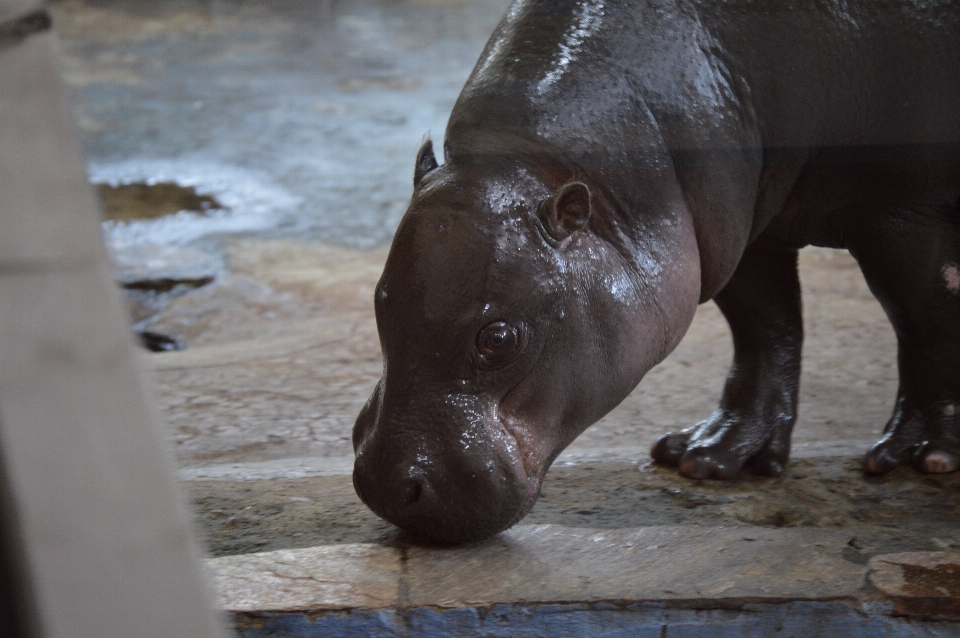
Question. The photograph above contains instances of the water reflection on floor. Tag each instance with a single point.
(303, 117)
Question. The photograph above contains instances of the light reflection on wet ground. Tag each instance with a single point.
(310, 111)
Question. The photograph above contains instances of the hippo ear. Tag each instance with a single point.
(426, 162)
(567, 211)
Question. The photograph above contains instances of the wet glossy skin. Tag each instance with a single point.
(608, 166)
(479, 397)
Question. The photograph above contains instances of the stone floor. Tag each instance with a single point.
(261, 430)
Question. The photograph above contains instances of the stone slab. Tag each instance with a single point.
(555, 564)
(921, 584)
(318, 578)
(554, 580)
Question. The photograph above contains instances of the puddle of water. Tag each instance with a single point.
(942, 579)
(140, 200)
(247, 201)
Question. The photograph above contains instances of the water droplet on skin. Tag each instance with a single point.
(951, 277)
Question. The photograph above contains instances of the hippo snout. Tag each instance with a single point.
(438, 491)
(447, 507)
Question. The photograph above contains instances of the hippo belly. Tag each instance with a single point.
(611, 164)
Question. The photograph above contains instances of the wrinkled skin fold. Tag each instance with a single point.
(610, 165)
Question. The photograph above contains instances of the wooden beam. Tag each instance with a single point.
(96, 541)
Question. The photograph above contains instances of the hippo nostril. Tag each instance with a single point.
(412, 492)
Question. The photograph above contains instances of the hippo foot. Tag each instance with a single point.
(927, 439)
(722, 445)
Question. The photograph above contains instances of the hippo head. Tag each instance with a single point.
(508, 325)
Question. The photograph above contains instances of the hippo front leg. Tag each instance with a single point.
(752, 428)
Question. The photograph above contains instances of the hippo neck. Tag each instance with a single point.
(642, 124)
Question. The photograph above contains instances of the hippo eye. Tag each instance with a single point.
(499, 343)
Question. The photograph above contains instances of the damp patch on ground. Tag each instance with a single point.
(190, 199)
(142, 200)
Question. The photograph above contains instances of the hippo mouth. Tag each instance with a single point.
(531, 456)
(444, 493)
(439, 514)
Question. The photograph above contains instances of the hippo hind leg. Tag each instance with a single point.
(911, 261)
(752, 427)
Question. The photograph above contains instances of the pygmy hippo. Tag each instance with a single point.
(609, 165)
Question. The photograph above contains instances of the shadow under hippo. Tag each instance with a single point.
(608, 166)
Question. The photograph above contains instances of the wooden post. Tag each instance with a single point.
(95, 542)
